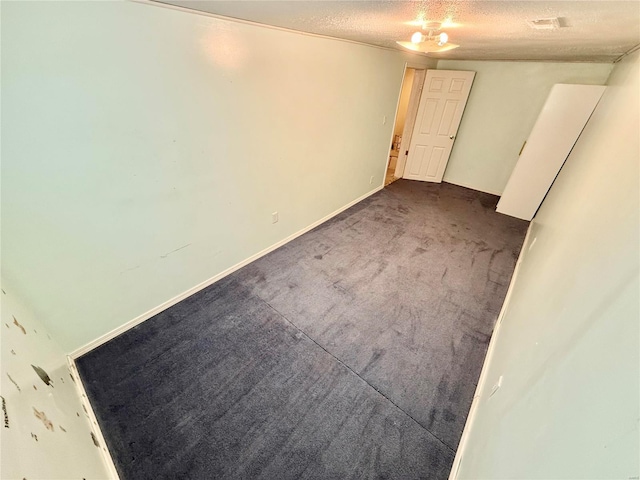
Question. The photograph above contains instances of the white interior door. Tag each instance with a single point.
(560, 123)
(444, 97)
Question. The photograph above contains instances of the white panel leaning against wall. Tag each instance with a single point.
(46, 432)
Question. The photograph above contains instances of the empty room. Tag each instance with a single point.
(320, 239)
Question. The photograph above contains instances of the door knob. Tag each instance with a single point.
(451, 137)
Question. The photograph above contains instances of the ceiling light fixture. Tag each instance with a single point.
(432, 42)
(417, 37)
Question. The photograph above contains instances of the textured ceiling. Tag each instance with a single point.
(485, 30)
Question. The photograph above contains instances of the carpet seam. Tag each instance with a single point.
(357, 375)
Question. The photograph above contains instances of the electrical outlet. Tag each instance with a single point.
(371, 180)
(274, 217)
(384, 119)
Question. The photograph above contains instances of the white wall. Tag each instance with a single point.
(504, 104)
(144, 150)
(56, 444)
(568, 344)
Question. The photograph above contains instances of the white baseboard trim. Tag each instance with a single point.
(471, 187)
(453, 475)
(154, 311)
(95, 427)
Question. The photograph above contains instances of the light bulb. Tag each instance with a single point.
(444, 38)
(416, 37)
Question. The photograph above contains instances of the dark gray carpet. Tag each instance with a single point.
(351, 352)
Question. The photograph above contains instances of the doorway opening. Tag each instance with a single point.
(405, 120)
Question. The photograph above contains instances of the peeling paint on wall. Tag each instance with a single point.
(44, 376)
(95, 440)
(43, 418)
(4, 412)
(17, 324)
(14, 382)
(44, 436)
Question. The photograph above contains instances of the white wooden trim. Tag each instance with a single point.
(154, 311)
(393, 130)
(418, 66)
(628, 52)
(453, 475)
(95, 427)
(410, 119)
(461, 184)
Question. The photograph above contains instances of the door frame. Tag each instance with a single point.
(410, 118)
(411, 109)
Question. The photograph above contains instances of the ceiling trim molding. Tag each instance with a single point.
(628, 52)
(528, 60)
(158, 3)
